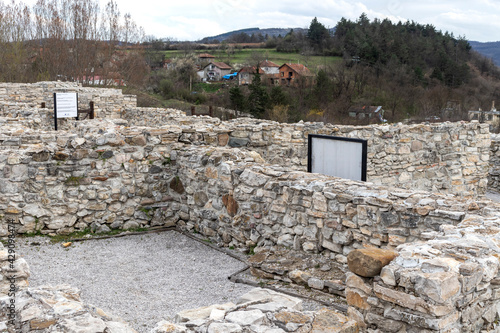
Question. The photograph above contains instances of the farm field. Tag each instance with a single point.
(242, 57)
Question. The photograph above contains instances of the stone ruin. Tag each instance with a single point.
(242, 183)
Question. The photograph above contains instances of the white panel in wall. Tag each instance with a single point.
(336, 156)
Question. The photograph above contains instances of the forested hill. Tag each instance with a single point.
(422, 49)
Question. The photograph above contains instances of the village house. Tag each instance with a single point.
(246, 75)
(269, 67)
(290, 73)
(274, 74)
(214, 71)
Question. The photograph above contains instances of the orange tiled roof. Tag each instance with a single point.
(299, 69)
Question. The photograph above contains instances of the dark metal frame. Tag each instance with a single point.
(364, 148)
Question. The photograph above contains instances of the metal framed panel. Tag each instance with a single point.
(337, 156)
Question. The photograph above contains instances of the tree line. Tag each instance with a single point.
(69, 40)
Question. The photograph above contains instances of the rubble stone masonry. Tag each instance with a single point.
(242, 183)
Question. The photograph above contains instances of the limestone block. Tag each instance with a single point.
(200, 313)
(224, 328)
(316, 283)
(246, 318)
(440, 287)
(266, 295)
(369, 262)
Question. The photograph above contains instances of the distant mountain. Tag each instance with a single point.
(489, 49)
(272, 32)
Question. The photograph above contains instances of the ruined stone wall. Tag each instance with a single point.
(494, 173)
(96, 176)
(445, 279)
(246, 204)
(109, 103)
(446, 157)
(450, 283)
(104, 175)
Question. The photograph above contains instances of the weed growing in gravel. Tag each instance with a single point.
(86, 233)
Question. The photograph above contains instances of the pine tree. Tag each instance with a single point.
(258, 98)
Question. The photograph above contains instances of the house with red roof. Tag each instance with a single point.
(290, 73)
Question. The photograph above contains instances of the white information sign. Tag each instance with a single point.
(337, 156)
(66, 105)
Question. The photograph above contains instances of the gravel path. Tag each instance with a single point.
(141, 278)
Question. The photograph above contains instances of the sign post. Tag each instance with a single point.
(65, 106)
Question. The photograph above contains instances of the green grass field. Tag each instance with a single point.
(242, 57)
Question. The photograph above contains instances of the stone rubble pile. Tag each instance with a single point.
(259, 311)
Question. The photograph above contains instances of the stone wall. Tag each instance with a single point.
(59, 182)
(450, 283)
(239, 203)
(109, 103)
(494, 173)
(445, 158)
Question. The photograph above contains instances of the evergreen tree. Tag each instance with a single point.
(317, 34)
(237, 98)
(258, 98)
(278, 97)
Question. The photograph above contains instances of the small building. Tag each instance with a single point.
(202, 57)
(167, 64)
(269, 67)
(246, 75)
(214, 71)
(372, 114)
(491, 117)
(290, 73)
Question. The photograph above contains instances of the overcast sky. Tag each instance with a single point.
(477, 20)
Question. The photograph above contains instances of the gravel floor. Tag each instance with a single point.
(141, 278)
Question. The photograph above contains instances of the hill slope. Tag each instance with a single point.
(271, 32)
(489, 49)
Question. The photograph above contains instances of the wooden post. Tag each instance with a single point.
(91, 111)
(193, 110)
(211, 111)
